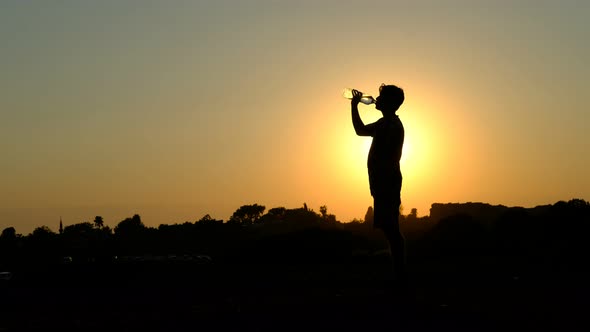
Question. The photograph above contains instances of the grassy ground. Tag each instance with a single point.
(337, 296)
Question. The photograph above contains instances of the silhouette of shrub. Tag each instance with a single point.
(247, 214)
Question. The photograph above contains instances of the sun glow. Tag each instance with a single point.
(337, 163)
(417, 153)
(406, 151)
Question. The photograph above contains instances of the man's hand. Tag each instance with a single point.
(356, 97)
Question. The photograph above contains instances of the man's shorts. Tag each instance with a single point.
(386, 211)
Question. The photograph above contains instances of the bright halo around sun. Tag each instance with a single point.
(406, 151)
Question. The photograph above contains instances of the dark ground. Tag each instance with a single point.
(337, 296)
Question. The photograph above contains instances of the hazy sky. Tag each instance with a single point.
(176, 109)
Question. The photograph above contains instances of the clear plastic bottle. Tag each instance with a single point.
(367, 100)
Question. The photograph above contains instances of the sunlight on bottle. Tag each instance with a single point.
(365, 99)
(347, 93)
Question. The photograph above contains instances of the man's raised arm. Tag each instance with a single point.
(359, 127)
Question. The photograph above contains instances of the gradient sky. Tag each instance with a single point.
(176, 109)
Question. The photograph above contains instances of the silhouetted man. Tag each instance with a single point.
(385, 177)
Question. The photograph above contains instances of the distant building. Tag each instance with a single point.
(480, 211)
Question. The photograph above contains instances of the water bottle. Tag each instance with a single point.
(367, 100)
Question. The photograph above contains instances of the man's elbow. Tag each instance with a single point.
(361, 132)
(358, 129)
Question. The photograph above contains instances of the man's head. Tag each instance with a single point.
(390, 98)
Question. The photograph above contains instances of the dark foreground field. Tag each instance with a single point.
(339, 296)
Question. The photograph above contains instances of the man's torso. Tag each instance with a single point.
(384, 156)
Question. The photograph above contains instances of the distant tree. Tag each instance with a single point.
(324, 212)
(274, 215)
(369, 215)
(130, 226)
(277, 211)
(325, 216)
(79, 236)
(302, 217)
(205, 219)
(42, 232)
(83, 229)
(330, 218)
(8, 245)
(42, 241)
(247, 214)
(106, 231)
(413, 216)
(8, 234)
(98, 222)
(85, 241)
(578, 203)
(208, 220)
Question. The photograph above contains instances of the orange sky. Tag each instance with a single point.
(181, 109)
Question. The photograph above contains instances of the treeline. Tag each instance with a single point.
(550, 237)
(95, 242)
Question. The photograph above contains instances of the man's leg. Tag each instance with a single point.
(398, 251)
(386, 217)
